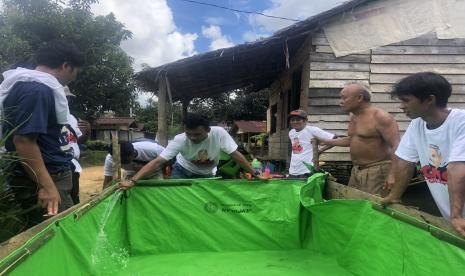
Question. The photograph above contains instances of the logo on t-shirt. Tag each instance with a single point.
(202, 158)
(296, 146)
(436, 170)
(71, 137)
(64, 142)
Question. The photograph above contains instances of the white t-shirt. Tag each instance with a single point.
(435, 148)
(203, 157)
(73, 142)
(302, 147)
(146, 152)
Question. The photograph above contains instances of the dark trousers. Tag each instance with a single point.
(179, 172)
(75, 188)
(26, 191)
(300, 176)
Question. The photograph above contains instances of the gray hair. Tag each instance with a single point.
(365, 90)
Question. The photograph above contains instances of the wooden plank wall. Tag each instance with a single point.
(279, 141)
(427, 53)
(328, 75)
(380, 68)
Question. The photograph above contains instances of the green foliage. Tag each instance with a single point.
(92, 158)
(10, 212)
(226, 107)
(239, 105)
(260, 138)
(148, 115)
(97, 145)
(106, 82)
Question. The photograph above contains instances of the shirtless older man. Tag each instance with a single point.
(373, 137)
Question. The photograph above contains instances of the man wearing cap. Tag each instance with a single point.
(373, 137)
(301, 136)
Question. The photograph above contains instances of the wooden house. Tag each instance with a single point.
(306, 65)
(129, 129)
(245, 131)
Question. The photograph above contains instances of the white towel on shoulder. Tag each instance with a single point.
(11, 77)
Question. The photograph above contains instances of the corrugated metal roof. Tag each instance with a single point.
(121, 121)
(251, 126)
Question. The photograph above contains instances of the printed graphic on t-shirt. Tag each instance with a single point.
(202, 158)
(436, 170)
(296, 146)
(65, 146)
(71, 137)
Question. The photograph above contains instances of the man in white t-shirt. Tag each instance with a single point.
(197, 152)
(436, 138)
(79, 134)
(134, 156)
(301, 136)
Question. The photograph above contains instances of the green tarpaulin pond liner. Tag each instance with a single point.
(218, 227)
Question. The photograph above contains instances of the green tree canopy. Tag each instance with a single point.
(238, 105)
(106, 82)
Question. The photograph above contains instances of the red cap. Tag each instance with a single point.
(298, 113)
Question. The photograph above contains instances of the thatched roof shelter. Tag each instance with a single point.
(252, 66)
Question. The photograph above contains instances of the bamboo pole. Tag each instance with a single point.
(162, 134)
(116, 156)
(185, 105)
(26, 251)
(316, 154)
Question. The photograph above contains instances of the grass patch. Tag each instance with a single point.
(91, 158)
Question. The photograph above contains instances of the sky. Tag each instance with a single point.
(168, 30)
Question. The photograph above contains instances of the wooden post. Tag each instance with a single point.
(116, 165)
(185, 104)
(316, 155)
(305, 81)
(162, 134)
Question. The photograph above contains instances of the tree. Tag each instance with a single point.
(149, 115)
(106, 82)
(238, 105)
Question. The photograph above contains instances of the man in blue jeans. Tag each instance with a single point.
(35, 113)
(197, 152)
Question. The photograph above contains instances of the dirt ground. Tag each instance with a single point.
(90, 182)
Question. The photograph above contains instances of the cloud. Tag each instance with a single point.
(215, 20)
(143, 98)
(294, 9)
(218, 40)
(156, 39)
(250, 36)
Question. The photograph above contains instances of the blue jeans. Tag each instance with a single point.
(179, 172)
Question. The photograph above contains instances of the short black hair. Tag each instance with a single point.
(422, 85)
(125, 150)
(194, 120)
(55, 53)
